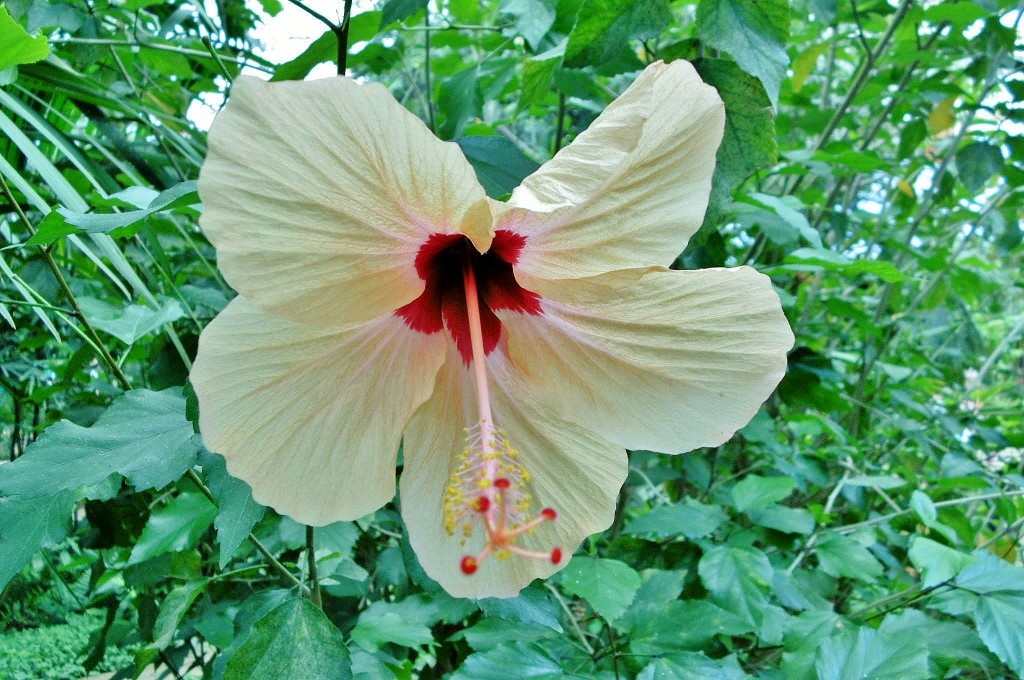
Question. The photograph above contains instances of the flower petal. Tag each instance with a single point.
(630, 190)
(311, 417)
(654, 359)
(571, 470)
(318, 195)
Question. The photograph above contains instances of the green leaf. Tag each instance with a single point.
(840, 555)
(397, 10)
(324, 49)
(533, 605)
(754, 32)
(689, 665)
(781, 518)
(295, 641)
(748, 142)
(385, 623)
(977, 163)
(237, 512)
(605, 27)
(174, 527)
(937, 562)
(1000, 620)
(689, 518)
(855, 654)
(500, 165)
(529, 660)
(659, 631)
(179, 196)
(173, 610)
(608, 585)
(17, 46)
(29, 524)
(999, 611)
(129, 324)
(142, 436)
(812, 259)
(538, 74)
(755, 492)
(532, 18)
(460, 102)
(738, 579)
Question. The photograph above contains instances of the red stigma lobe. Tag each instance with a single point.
(440, 263)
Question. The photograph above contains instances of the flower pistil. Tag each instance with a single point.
(488, 488)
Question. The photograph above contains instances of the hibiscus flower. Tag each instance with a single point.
(513, 349)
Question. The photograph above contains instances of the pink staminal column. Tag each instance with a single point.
(491, 479)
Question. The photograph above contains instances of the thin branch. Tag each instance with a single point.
(426, 71)
(560, 123)
(312, 577)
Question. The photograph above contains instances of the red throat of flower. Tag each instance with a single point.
(489, 488)
(442, 262)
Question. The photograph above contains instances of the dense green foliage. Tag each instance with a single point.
(867, 523)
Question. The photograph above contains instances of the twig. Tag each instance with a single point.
(312, 576)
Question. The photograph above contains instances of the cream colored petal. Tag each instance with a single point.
(573, 471)
(311, 417)
(630, 190)
(318, 194)
(654, 359)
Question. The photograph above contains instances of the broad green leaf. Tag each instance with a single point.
(384, 623)
(516, 659)
(28, 524)
(324, 49)
(810, 259)
(237, 512)
(976, 163)
(689, 518)
(173, 610)
(179, 196)
(605, 27)
(397, 10)
(999, 610)
(142, 436)
(950, 640)
(738, 579)
(754, 32)
(840, 555)
(132, 323)
(690, 665)
(295, 641)
(855, 654)
(460, 103)
(781, 518)
(755, 492)
(532, 18)
(923, 507)
(876, 481)
(1000, 620)
(660, 629)
(174, 527)
(17, 46)
(748, 143)
(608, 585)
(533, 605)
(538, 74)
(500, 165)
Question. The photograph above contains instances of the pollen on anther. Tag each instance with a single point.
(556, 557)
(469, 565)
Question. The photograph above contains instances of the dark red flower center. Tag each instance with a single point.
(441, 262)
